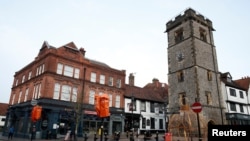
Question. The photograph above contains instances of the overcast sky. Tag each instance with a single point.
(125, 34)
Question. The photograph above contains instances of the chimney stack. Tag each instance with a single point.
(131, 79)
(82, 51)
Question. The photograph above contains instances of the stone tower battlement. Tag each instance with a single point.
(187, 15)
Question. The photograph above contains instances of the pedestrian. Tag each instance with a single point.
(72, 132)
(67, 137)
(11, 132)
(33, 132)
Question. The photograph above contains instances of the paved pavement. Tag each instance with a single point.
(90, 138)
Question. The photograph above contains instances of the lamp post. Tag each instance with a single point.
(132, 134)
(80, 110)
(166, 117)
(165, 113)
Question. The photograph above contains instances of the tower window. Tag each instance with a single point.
(179, 35)
(209, 97)
(182, 99)
(180, 76)
(203, 35)
(209, 75)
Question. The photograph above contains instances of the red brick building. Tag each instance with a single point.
(63, 81)
(3, 111)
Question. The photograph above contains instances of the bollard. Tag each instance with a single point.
(95, 138)
(106, 136)
(156, 137)
(85, 137)
(132, 137)
(127, 134)
(137, 135)
(118, 136)
(145, 138)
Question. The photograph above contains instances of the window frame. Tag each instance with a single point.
(232, 92)
(179, 35)
(209, 97)
(241, 108)
(102, 79)
(118, 83)
(203, 34)
(182, 99)
(56, 94)
(241, 94)
(68, 71)
(143, 106)
(117, 101)
(232, 106)
(209, 75)
(180, 76)
(92, 97)
(93, 77)
(111, 79)
(152, 107)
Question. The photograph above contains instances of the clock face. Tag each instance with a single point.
(180, 56)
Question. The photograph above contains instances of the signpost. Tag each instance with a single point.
(196, 107)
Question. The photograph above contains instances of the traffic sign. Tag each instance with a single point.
(33, 102)
(196, 107)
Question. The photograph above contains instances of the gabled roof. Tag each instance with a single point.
(226, 75)
(98, 63)
(45, 46)
(71, 45)
(156, 84)
(149, 92)
(227, 79)
(244, 82)
(3, 108)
